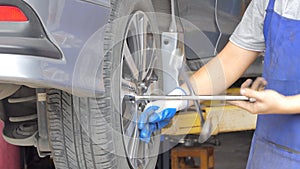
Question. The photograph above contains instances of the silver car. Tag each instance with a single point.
(66, 67)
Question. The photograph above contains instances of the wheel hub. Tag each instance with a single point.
(137, 64)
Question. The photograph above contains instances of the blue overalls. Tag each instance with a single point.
(276, 142)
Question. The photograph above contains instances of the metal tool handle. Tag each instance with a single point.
(202, 97)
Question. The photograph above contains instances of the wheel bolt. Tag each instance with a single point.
(143, 87)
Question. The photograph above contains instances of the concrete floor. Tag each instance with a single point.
(233, 151)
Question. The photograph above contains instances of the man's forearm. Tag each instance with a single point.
(292, 104)
(222, 71)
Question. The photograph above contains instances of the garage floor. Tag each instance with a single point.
(234, 149)
(231, 154)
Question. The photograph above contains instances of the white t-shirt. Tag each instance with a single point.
(249, 33)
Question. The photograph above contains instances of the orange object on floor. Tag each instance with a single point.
(180, 154)
(9, 154)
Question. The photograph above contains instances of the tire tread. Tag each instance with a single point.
(72, 146)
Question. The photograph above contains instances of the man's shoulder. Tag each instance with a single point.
(288, 8)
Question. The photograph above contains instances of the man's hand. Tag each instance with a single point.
(267, 101)
(158, 114)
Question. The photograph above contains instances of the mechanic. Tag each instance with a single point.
(272, 27)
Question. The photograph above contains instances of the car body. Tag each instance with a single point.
(63, 26)
(70, 31)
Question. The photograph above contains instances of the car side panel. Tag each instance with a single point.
(77, 28)
(213, 22)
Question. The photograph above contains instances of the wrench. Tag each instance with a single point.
(183, 97)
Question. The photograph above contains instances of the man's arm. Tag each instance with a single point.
(222, 71)
(213, 78)
(292, 104)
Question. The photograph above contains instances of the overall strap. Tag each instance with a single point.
(271, 5)
(268, 17)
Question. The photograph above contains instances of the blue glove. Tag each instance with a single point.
(150, 121)
(158, 114)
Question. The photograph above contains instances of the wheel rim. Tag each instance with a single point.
(137, 63)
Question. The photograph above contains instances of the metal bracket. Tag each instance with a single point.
(172, 58)
(172, 50)
(43, 145)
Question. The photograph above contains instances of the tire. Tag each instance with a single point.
(94, 133)
(72, 146)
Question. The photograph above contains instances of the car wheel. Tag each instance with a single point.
(102, 132)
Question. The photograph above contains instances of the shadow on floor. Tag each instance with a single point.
(33, 161)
